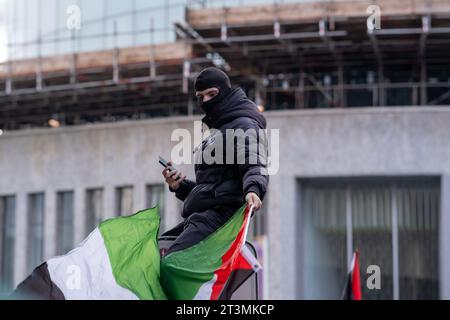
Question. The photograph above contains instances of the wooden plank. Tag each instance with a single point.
(310, 11)
(96, 59)
(167, 51)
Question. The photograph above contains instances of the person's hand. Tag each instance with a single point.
(252, 199)
(173, 178)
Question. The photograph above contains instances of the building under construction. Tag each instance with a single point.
(369, 171)
(287, 56)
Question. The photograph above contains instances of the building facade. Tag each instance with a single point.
(362, 111)
(373, 179)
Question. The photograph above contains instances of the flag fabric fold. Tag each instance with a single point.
(120, 259)
(205, 270)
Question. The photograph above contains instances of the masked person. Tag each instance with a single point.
(221, 187)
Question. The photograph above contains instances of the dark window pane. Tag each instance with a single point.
(418, 241)
(94, 209)
(372, 210)
(7, 242)
(155, 196)
(65, 235)
(372, 234)
(35, 230)
(324, 229)
(124, 201)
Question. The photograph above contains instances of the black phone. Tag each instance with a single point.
(165, 164)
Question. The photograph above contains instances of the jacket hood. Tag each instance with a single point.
(234, 105)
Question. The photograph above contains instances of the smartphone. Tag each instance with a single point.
(165, 164)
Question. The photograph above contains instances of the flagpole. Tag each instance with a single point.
(247, 223)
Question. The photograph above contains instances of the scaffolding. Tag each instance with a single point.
(285, 55)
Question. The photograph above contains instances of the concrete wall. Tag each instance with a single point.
(313, 143)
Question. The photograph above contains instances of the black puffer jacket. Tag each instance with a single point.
(221, 184)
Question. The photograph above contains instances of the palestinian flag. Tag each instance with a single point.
(352, 290)
(213, 268)
(120, 260)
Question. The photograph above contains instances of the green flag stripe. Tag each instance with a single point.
(184, 272)
(132, 246)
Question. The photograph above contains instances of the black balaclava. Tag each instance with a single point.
(213, 78)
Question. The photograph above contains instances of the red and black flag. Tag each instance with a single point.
(352, 290)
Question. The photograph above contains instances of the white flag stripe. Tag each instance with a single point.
(205, 291)
(86, 273)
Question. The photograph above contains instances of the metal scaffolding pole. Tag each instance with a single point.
(426, 26)
(152, 64)
(9, 81)
(134, 21)
(380, 97)
(73, 60)
(323, 32)
(301, 89)
(115, 63)
(104, 20)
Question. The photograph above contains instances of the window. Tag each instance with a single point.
(7, 229)
(35, 230)
(418, 223)
(65, 234)
(124, 201)
(155, 196)
(94, 209)
(392, 222)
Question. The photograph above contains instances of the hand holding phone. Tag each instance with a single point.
(166, 164)
(172, 176)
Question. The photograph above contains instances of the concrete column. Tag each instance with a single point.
(283, 241)
(444, 242)
(50, 223)
(109, 204)
(79, 222)
(139, 196)
(173, 209)
(20, 250)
